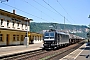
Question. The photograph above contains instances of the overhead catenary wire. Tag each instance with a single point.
(64, 9)
(38, 9)
(53, 8)
(43, 6)
(23, 11)
(62, 6)
(56, 10)
(48, 9)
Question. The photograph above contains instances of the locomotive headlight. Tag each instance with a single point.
(52, 44)
(44, 42)
(53, 41)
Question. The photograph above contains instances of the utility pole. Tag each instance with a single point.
(26, 40)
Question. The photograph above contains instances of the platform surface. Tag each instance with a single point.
(82, 53)
(9, 50)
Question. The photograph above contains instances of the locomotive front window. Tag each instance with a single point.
(46, 34)
(51, 34)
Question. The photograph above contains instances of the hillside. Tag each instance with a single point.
(75, 29)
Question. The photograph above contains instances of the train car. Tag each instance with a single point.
(53, 39)
(75, 39)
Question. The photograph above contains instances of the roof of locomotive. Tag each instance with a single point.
(63, 33)
(59, 32)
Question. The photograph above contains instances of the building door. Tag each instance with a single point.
(7, 39)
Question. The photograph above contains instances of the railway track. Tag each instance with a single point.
(43, 54)
(64, 53)
(24, 55)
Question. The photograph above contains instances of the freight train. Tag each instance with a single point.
(53, 39)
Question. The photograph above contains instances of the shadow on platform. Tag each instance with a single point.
(83, 55)
(86, 56)
(13, 45)
(87, 46)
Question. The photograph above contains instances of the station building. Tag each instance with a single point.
(36, 37)
(13, 29)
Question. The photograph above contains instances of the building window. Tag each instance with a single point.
(13, 19)
(22, 25)
(14, 37)
(13, 24)
(18, 24)
(1, 21)
(26, 27)
(1, 37)
(22, 38)
(7, 23)
(40, 38)
(35, 37)
(17, 37)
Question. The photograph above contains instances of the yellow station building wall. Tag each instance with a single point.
(10, 37)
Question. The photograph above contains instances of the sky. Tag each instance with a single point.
(75, 12)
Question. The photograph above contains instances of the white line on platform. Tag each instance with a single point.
(64, 58)
(79, 53)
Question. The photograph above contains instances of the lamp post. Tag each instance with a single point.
(26, 41)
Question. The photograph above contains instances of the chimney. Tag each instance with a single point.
(13, 11)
